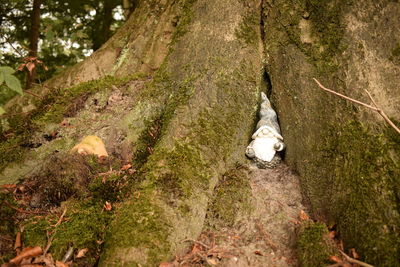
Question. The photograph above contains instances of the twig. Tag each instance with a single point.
(14, 114)
(33, 94)
(60, 219)
(383, 114)
(197, 242)
(50, 239)
(375, 107)
(23, 211)
(351, 260)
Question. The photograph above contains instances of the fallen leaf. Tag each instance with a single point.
(336, 259)
(107, 206)
(27, 253)
(18, 243)
(8, 186)
(47, 260)
(353, 253)
(332, 234)
(304, 216)
(131, 171)
(61, 264)
(259, 253)
(81, 253)
(212, 261)
(166, 264)
(126, 167)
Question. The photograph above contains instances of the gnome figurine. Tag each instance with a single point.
(267, 139)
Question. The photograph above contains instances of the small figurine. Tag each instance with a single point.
(267, 139)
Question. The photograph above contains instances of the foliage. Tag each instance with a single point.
(7, 79)
(69, 31)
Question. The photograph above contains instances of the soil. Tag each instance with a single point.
(267, 237)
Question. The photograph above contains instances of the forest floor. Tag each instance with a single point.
(266, 237)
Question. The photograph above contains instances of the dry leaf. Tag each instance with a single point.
(107, 206)
(304, 216)
(166, 264)
(81, 253)
(212, 261)
(126, 167)
(18, 243)
(353, 253)
(27, 253)
(47, 260)
(259, 253)
(332, 234)
(30, 66)
(61, 264)
(8, 186)
(335, 259)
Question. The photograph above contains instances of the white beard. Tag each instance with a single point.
(263, 146)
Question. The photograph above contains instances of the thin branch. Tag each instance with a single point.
(345, 97)
(375, 107)
(351, 260)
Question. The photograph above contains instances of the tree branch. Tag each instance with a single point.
(375, 107)
(351, 260)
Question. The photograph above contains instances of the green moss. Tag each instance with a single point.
(396, 51)
(84, 226)
(7, 227)
(183, 20)
(247, 30)
(231, 197)
(326, 30)
(177, 171)
(142, 226)
(314, 248)
(52, 109)
(365, 201)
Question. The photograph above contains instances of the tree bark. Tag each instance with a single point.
(33, 40)
(205, 63)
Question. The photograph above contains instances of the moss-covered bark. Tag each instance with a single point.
(210, 77)
(184, 122)
(346, 155)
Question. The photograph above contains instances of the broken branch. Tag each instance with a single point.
(375, 107)
(351, 260)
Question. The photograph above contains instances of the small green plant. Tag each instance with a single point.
(7, 79)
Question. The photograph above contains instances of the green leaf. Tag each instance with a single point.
(13, 83)
(2, 111)
(1, 78)
(7, 70)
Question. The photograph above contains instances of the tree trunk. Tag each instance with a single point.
(33, 40)
(190, 119)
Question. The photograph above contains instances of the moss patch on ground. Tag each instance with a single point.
(84, 226)
(143, 225)
(314, 246)
(7, 227)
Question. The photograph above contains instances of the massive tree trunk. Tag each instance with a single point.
(203, 64)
